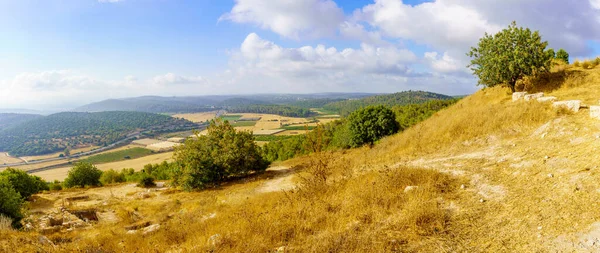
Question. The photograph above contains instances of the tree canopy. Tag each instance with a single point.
(83, 174)
(509, 55)
(23, 183)
(562, 55)
(370, 124)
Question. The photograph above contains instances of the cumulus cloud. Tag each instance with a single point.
(289, 18)
(444, 63)
(171, 79)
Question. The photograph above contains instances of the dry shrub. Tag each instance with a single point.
(577, 63)
(5, 223)
(586, 64)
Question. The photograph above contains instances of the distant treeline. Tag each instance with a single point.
(335, 135)
(8, 120)
(283, 110)
(56, 132)
(346, 107)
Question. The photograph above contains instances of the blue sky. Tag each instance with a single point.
(63, 53)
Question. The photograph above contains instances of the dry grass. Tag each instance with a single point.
(6, 158)
(197, 117)
(55, 155)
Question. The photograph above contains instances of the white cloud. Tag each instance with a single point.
(289, 18)
(110, 1)
(444, 63)
(171, 79)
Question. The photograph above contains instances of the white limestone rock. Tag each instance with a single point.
(547, 99)
(572, 105)
(595, 111)
(518, 95)
(532, 97)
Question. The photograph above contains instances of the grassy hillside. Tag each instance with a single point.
(55, 132)
(401, 98)
(484, 175)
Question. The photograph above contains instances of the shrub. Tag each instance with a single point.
(585, 64)
(55, 186)
(370, 124)
(112, 177)
(212, 158)
(576, 63)
(23, 183)
(10, 206)
(146, 181)
(5, 223)
(83, 174)
(562, 55)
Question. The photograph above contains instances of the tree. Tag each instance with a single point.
(10, 206)
(370, 124)
(212, 158)
(111, 177)
(562, 55)
(67, 152)
(83, 174)
(507, 56)
(23, 183)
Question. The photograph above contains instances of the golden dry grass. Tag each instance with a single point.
(6, 158)
(197, 117)
(55, 155)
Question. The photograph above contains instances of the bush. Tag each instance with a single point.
(23, 183)
(585, 64)
(83, 174)
(10, 206)
(212, 158)
(146, 181)
(576, 63)
(562, 55)
(55, 186)
(370, 124)
(112, 177)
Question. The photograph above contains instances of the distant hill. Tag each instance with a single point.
(8, 120)
(401, 98)
(53, 133)
(156, 104)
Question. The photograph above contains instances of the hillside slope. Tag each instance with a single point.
(8, 120)
(484, 175)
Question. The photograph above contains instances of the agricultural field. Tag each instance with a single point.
(6, 158)
(136, 164)
(55, 155)
(120, 155)
(197, 117)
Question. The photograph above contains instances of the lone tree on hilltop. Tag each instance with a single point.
(562, 55)
(509, 55)
(370, 124)
(83, 174)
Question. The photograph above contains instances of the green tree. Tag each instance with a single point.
(111, 177)
(212, 158)
(370, 124)
(10, 204)
(507, 56)
(67, 152)
(562, 55)
(23, 183)
(83, 174)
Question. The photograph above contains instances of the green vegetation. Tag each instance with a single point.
(111, 177)
(10, 206)
(8, 120)
(271, 137)
(146, 181)
(120, 155)
(59, 131)
(83, 174)
(23, 183)
(315, 103)
(510, 55)
(346, 107)
(231, 117)
(215, 157)
(243, 123)
(410, 115)
(370, 124)
(562, 55)
(298, 127)
(282, 110)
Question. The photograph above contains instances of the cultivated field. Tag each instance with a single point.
(197, 117)
(136, 164)
(55, 155)
(5, 158)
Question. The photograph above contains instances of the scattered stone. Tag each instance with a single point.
(533, 96)
(215, 240)
(546, 157)
(138, 225)
(54, 222)
(547, 99)
(50, 230)
(482, 200)
(518, 95)
(410, 188)
(595, 111)
(550, 175)
(572, 105)
(462, 186)
(45, 241)
(142, 195)
(544, 135)
(131, 232)
(150, 229)
(280, 249)
(540, 228)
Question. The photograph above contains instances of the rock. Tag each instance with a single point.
(142, 195)
(546, 157)
(535, 96)
(138, 225)
(595, 111)
(150, 229)
(50, 230)
(550, 175)
(546, 99)
(215, 240)
(481, 200)
(518, 95)
(131, 232)
(45, 241)
(410, 188)
(572, 105)
(54, 221)
(462, 186)
(280, 249)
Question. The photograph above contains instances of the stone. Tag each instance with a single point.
(131, 232)
(462, 186)
(45, 241)
(280, 249)
(54, 221)
(150, 229)
(481, 200)
(595, 111)
(518, 95)
(572, 105)
(410, 188)
(215, 240)
(547, 99)
(535, 96)
(550, 175)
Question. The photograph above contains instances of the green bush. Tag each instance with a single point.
(111, 177)
(562, 55)
(370, 124)
(23, 183)
(146, 181)
(83, 174)
(55, 186)
(10, 204)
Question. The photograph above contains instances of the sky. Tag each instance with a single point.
(60, 54)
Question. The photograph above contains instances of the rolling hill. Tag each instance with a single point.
(8, 120)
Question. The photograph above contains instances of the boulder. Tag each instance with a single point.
(215, 240)
(547, 99)
(518, 95)
(535, 96)
(150, 229)
(595, 111)
(572, 105)
(410, 188)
